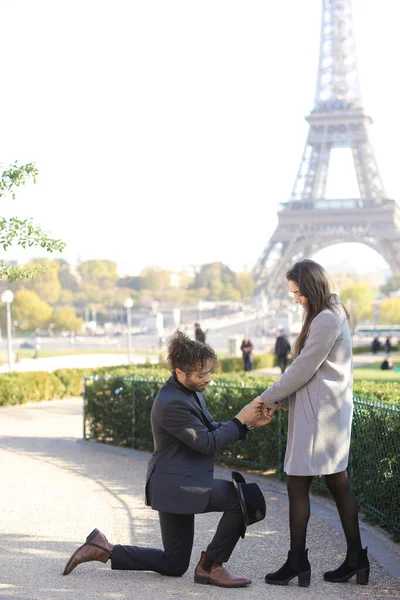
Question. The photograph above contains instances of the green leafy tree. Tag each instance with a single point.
(47, 286)
(99, 273)
(389, 311)
(65, 319)
(358, 300)
(215, 277)
(22, 231)
(245, 285)
(66, 298)
(230, 293)
(30, 311)
(68, 279)
(155, 279)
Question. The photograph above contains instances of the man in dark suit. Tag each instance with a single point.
(180, 480)
(282, 349)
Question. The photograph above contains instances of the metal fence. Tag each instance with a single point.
(117, 411)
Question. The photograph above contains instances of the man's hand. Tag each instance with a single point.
(251, 412)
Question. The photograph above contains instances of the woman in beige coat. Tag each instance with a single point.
(317, 391)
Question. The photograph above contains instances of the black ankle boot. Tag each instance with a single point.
(297, 565)
(356, 563)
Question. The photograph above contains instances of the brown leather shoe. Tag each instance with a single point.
(96, 547)
(217, 575)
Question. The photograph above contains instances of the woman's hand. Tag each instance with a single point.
(263, 419)
(270, 411)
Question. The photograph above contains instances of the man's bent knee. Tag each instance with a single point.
(177, 568)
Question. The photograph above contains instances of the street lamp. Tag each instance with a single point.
(7, 297)
(128, 303)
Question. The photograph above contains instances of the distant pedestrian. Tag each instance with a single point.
(199, 334)
(247, 353)
(376, 345)
(386, 364)
(282, 349)
(388, 345)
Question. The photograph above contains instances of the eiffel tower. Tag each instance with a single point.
(309, 221)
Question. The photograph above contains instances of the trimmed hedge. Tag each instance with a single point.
(35, 386)
(375, 459)
(19, 388)
(386, 391)
(117, 410)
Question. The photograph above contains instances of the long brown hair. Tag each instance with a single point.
(313, 283)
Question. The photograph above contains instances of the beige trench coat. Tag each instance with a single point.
(318, 391)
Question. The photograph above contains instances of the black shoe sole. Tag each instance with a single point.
(303, 579)
(362, 577)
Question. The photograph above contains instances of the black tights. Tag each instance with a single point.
(299, 508)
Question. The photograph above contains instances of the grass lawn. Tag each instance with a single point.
(374, 372)
(69, 352)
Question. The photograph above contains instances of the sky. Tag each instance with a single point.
(166, 132)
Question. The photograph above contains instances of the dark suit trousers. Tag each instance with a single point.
(177, 533)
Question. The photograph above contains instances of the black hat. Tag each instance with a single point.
(251, 499)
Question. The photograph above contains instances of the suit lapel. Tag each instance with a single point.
(202, 402)
(203, 410)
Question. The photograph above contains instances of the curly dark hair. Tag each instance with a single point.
(187, 354)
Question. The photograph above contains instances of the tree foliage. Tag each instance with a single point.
(15, 176)
(22, 232)
(219, 279)
(47, 286)
(30, 311)
(65, 319)
(99, 273)
(68, 280)
(155, 279)
(245, 285)
(390, 311)
(358, 300)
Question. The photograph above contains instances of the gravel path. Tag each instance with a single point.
(55, 489)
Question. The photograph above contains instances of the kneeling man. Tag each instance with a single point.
(180, 480)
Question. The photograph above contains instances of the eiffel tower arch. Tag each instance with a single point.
(310, 222)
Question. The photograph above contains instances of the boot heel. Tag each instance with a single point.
(362, 576)
(304, 579)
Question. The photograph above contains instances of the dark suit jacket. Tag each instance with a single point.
(186, 437)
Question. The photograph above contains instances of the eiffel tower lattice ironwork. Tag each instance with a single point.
(309, 222)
